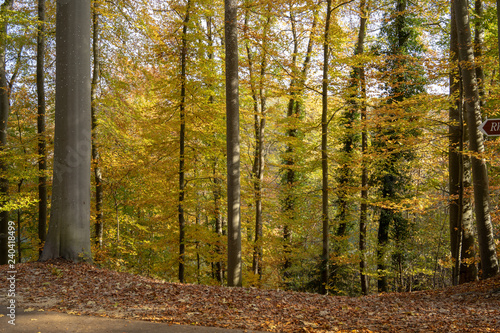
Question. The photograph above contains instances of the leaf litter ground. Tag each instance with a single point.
(63, 286)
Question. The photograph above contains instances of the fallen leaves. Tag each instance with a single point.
(84, 289)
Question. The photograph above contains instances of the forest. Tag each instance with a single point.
(327, 146)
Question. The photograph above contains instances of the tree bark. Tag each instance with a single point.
(182, 138)
(363, 218)
(95, 148)
(467, 264)
(42, 159)
(454, 156)
(460, 210)
(69, 228)
(325, 255)
(234, 262)
(4, 117)
(489, 261)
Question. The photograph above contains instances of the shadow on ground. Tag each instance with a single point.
(57, 322)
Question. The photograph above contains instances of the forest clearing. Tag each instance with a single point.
(80, 289)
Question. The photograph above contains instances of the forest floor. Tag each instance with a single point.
(84, 289)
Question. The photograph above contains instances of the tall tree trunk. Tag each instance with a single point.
(4, 117)
(259, 107)
(182, 137)
(69, 228)
(460, 210)
(325, 255)
(234, 262)
(95, 148)
(454, 156)
(216, 181)
(363, 217)
(489, 261)
(42, 159)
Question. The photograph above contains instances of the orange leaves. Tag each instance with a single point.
(473, 307)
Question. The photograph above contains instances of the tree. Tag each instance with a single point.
(4, 117)
(325, 255)
(234, 261)
(487, 247)
(460, 211)
(259, 98)
(95, 149)
(42, 144)
(401, 83)
(182, 136)
(294, 113)
(363, 10)
(69, 228)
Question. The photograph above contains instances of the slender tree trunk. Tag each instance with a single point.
(4, 116)
(363, 218)
(259, 107)
(95, 148)
(454, 156)
(218, 266)
(234, 262)
(489, 261)
(182, 137)
(325, 255)
(69, 228)
(42, 159)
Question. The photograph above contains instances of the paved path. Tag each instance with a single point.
(56, 322)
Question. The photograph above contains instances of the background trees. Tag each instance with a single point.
(158, 86)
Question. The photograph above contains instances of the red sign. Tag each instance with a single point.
(491, 127)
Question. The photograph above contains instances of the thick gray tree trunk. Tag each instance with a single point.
(234, 264)
(489, 261)
(69, 228)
